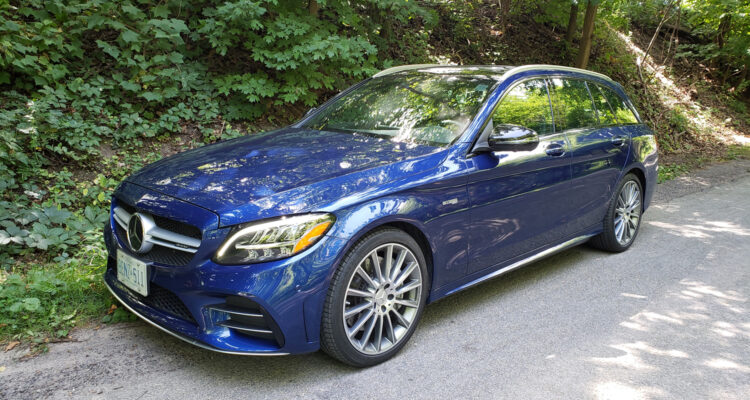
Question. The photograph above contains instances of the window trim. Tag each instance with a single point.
(483, 127)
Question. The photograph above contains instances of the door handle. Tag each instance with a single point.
(618, 140)
(555, 149)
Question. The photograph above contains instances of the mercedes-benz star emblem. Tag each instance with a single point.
(138, 228)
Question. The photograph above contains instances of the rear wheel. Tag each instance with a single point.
(623, 217)
(376, 299)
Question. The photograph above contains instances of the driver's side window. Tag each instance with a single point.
(527, 104)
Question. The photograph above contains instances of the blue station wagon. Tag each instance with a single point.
(419, 182)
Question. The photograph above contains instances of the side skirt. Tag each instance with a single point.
(518, 264)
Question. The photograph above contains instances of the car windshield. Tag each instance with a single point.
(412, 107)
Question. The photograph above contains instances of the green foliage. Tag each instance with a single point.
(47, 302)
(87, 71)
(671, 171)
(82, 74)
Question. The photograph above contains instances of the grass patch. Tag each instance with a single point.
(43, 302)
(737, 152)
(670, 171)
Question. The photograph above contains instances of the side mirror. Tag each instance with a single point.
(512, 137)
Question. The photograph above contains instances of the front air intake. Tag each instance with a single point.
(244, 316)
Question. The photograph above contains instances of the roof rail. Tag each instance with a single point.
(536, 67)
(507, 74)
(408, 67)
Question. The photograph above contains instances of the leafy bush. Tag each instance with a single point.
(85, 71)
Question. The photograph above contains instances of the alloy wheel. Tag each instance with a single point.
(627, 213)
(382, 298)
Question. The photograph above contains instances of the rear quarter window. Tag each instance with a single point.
(623, 113)
(603, 110)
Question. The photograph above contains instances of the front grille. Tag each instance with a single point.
(245, 317)
(177, 227)
(168, 302)
(163, 254)
(158, 254)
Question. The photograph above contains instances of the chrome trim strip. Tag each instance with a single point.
(229, 324)
(230, 310)
(187, 339)
(174, 237)
(121, 217)
(171, 246)
(525, 261)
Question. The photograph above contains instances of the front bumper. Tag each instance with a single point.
(118, 292)
(289, 293)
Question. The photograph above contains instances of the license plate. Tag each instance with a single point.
(132, 273)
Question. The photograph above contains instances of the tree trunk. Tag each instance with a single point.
(572, 22)
(665, 17)
(724, 26)
(675, 36)
(313, 7)
(588, 29)
(504, 12)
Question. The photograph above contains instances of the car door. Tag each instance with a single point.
(517, 196)
(598, 148)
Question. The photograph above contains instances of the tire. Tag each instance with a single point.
(611, 239)
(360, 341)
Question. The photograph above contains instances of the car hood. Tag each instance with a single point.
(281, 172)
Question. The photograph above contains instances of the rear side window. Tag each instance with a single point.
(572, 105)
(527, 105)
(603, 110)
(623, 113)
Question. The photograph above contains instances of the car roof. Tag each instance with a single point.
(498, 72)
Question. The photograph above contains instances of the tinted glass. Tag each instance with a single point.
(572, 105)
(526, 105)
(623, 113)
(603, 110)
(418, 107)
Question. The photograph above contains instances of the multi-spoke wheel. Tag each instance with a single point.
(627, 212)
(623, 217)
(376, 298)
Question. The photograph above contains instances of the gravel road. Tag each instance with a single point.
(670, 318)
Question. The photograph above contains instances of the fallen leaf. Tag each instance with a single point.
(2, 368)
(11, 346)
(112, 309)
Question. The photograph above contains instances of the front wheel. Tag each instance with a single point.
(375, 300)
(623, 217)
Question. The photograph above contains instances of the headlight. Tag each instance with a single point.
(274, 239)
